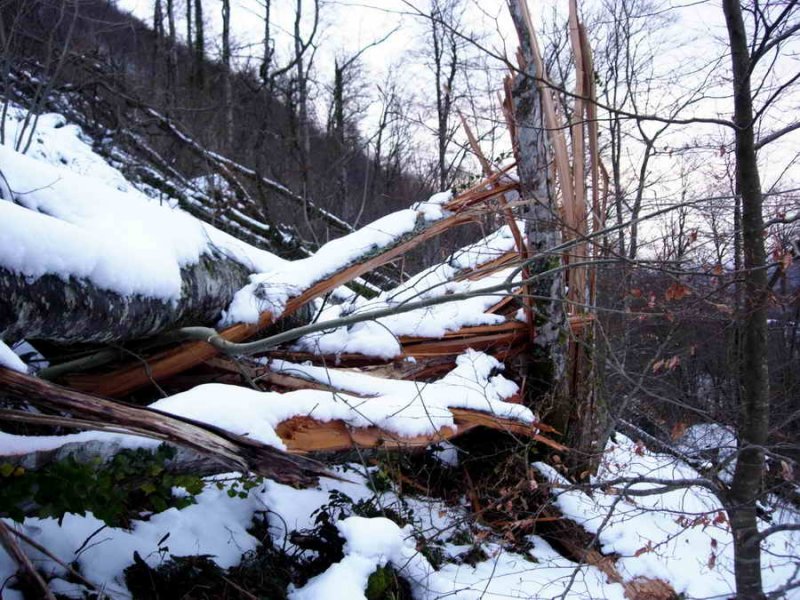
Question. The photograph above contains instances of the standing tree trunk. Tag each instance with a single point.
(158, 35)
(189, 36)
(267, 60)
(338, 128)
(547, 366)
(301, 90)
(445, 67)
(199, 44)
(753, 373)
(227, 85)
(172, 55)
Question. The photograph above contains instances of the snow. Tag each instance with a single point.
(713, 443)
(542, 573)
(20, 445)
(216, 525)
(376, 542)
(681, 536)
(9, 360)
(378, 337)
(432, 208)
(269, 290)
(369, 543)
(73, 215)
(405, 408)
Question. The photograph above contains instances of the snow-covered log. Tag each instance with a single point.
(77, 310)
(85, 257)
(236, 452)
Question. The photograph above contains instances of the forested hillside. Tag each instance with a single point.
(517, 316)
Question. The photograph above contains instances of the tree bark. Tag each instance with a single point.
(75, 310)
(234, 451)
(172, 55)
(199, 44)
(227, 84)
(753, 375)
(547, 368)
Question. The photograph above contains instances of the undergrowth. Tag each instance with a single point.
(130, 485)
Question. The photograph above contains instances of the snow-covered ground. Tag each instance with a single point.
(679, 537)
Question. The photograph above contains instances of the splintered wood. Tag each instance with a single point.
(183, 365)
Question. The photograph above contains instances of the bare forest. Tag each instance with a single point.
(409, 299)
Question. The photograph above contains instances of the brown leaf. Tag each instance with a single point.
(639, 448)
(644, 549)
(677, 291)
(678, 430)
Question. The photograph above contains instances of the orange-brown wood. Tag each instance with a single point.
(303, 435)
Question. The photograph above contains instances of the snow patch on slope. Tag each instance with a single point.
(71, 214)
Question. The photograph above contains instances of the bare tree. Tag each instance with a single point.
(227, 84)
(199, 44)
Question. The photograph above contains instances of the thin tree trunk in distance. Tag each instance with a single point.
(199, 44)
(227, 85)
(172, 55)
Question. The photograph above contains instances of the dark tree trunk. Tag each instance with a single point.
(75, 311)
(172, 55)
(199, 44)
(753, 374)
(338, 126)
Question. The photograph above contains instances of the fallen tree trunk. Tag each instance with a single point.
(75, 310)
(176, 360)
(91, 412)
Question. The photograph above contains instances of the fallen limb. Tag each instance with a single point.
(304, 435)
(29, 572)
(236, 452)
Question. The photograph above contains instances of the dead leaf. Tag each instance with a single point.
(677, 291)
(678, 430)
(639, 448)
(787, 472)
(644, 549)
